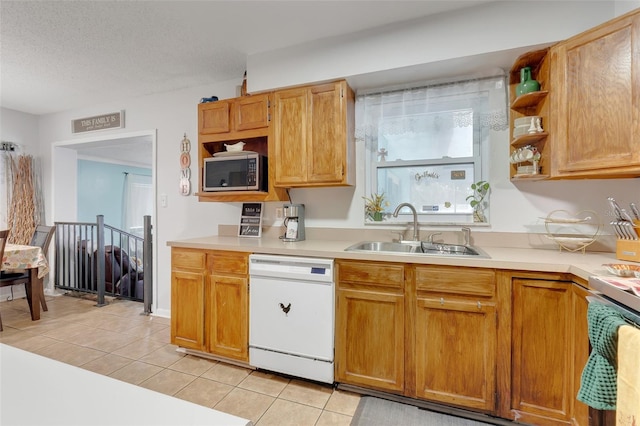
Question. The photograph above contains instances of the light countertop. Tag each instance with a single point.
(32, 384)
(525, 259)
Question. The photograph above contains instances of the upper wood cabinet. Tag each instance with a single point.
(597, 101)
(534, 104)
(230, 121)
(589, 101)
(233, 115)
(314, 135)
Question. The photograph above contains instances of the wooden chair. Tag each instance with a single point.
(42, 237)
(3, 241)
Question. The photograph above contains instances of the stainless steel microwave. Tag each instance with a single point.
(235, 172)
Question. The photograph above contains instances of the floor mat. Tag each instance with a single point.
(373, 411)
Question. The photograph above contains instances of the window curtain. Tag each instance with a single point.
(431, 110)
(137, 202)
(486, 96)
(400, 111)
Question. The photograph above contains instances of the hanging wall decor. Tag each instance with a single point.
(185, 163)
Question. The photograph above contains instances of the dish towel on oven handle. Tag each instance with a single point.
(598, 383)
(628, 402)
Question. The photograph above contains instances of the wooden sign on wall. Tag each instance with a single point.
(114, 120)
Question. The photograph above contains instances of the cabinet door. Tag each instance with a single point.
(314, 135)
(227, 318)
(326, 146)
(187, 309)
(598, 101)
(370, 339)
(541, 359)
(290, 137)
(456, 352)
(252, 112)
(214, 117)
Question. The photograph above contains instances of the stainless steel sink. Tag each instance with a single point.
(386, 247)
(452, 250)
(418, 247)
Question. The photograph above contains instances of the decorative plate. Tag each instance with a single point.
(621, 269)
(232, 153)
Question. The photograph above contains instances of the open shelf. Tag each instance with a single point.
(528, 138)
(529, 99)
(530, 177)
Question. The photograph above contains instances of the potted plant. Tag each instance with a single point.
(374, 206)
(477, 200)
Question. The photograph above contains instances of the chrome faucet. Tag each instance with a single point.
(415, 218)
(466, 232)
(433, 235)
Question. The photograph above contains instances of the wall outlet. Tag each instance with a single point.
(279, 213)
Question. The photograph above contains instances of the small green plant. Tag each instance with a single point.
(374, 206)
(477, 199)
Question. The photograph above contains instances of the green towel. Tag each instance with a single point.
(598, 386)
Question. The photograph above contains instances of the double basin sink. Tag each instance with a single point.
(419, 248)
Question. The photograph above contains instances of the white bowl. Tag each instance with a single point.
(235, 147)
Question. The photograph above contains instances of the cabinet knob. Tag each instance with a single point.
(442, 300)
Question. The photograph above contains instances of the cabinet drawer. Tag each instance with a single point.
(221, 262)
(454, 280)
(380, 274)
(186, 258)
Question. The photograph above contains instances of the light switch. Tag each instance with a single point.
(163, 200)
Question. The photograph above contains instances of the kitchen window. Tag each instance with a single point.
(427, 145)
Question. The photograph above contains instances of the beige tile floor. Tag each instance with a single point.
(118, 341)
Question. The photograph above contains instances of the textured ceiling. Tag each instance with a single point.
(61, 55)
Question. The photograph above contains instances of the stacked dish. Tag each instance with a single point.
(523, 125)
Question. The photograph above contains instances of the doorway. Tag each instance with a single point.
(135, 150)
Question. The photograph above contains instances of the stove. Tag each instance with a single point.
(625, 302)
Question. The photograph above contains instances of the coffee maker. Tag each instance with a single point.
(293, 222)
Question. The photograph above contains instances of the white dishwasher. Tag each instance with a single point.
(291, 315)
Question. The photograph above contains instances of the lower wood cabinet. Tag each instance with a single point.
(209, 302)
(227, 305)
(506, 343)
(370, 325)
(455, 336)
(424, 332)
(549, 349)
(188, 276)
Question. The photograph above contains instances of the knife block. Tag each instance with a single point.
(629, 249)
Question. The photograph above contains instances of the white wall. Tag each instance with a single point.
(515, 207)
(486, 29)
(172, 114)
(20, 128)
